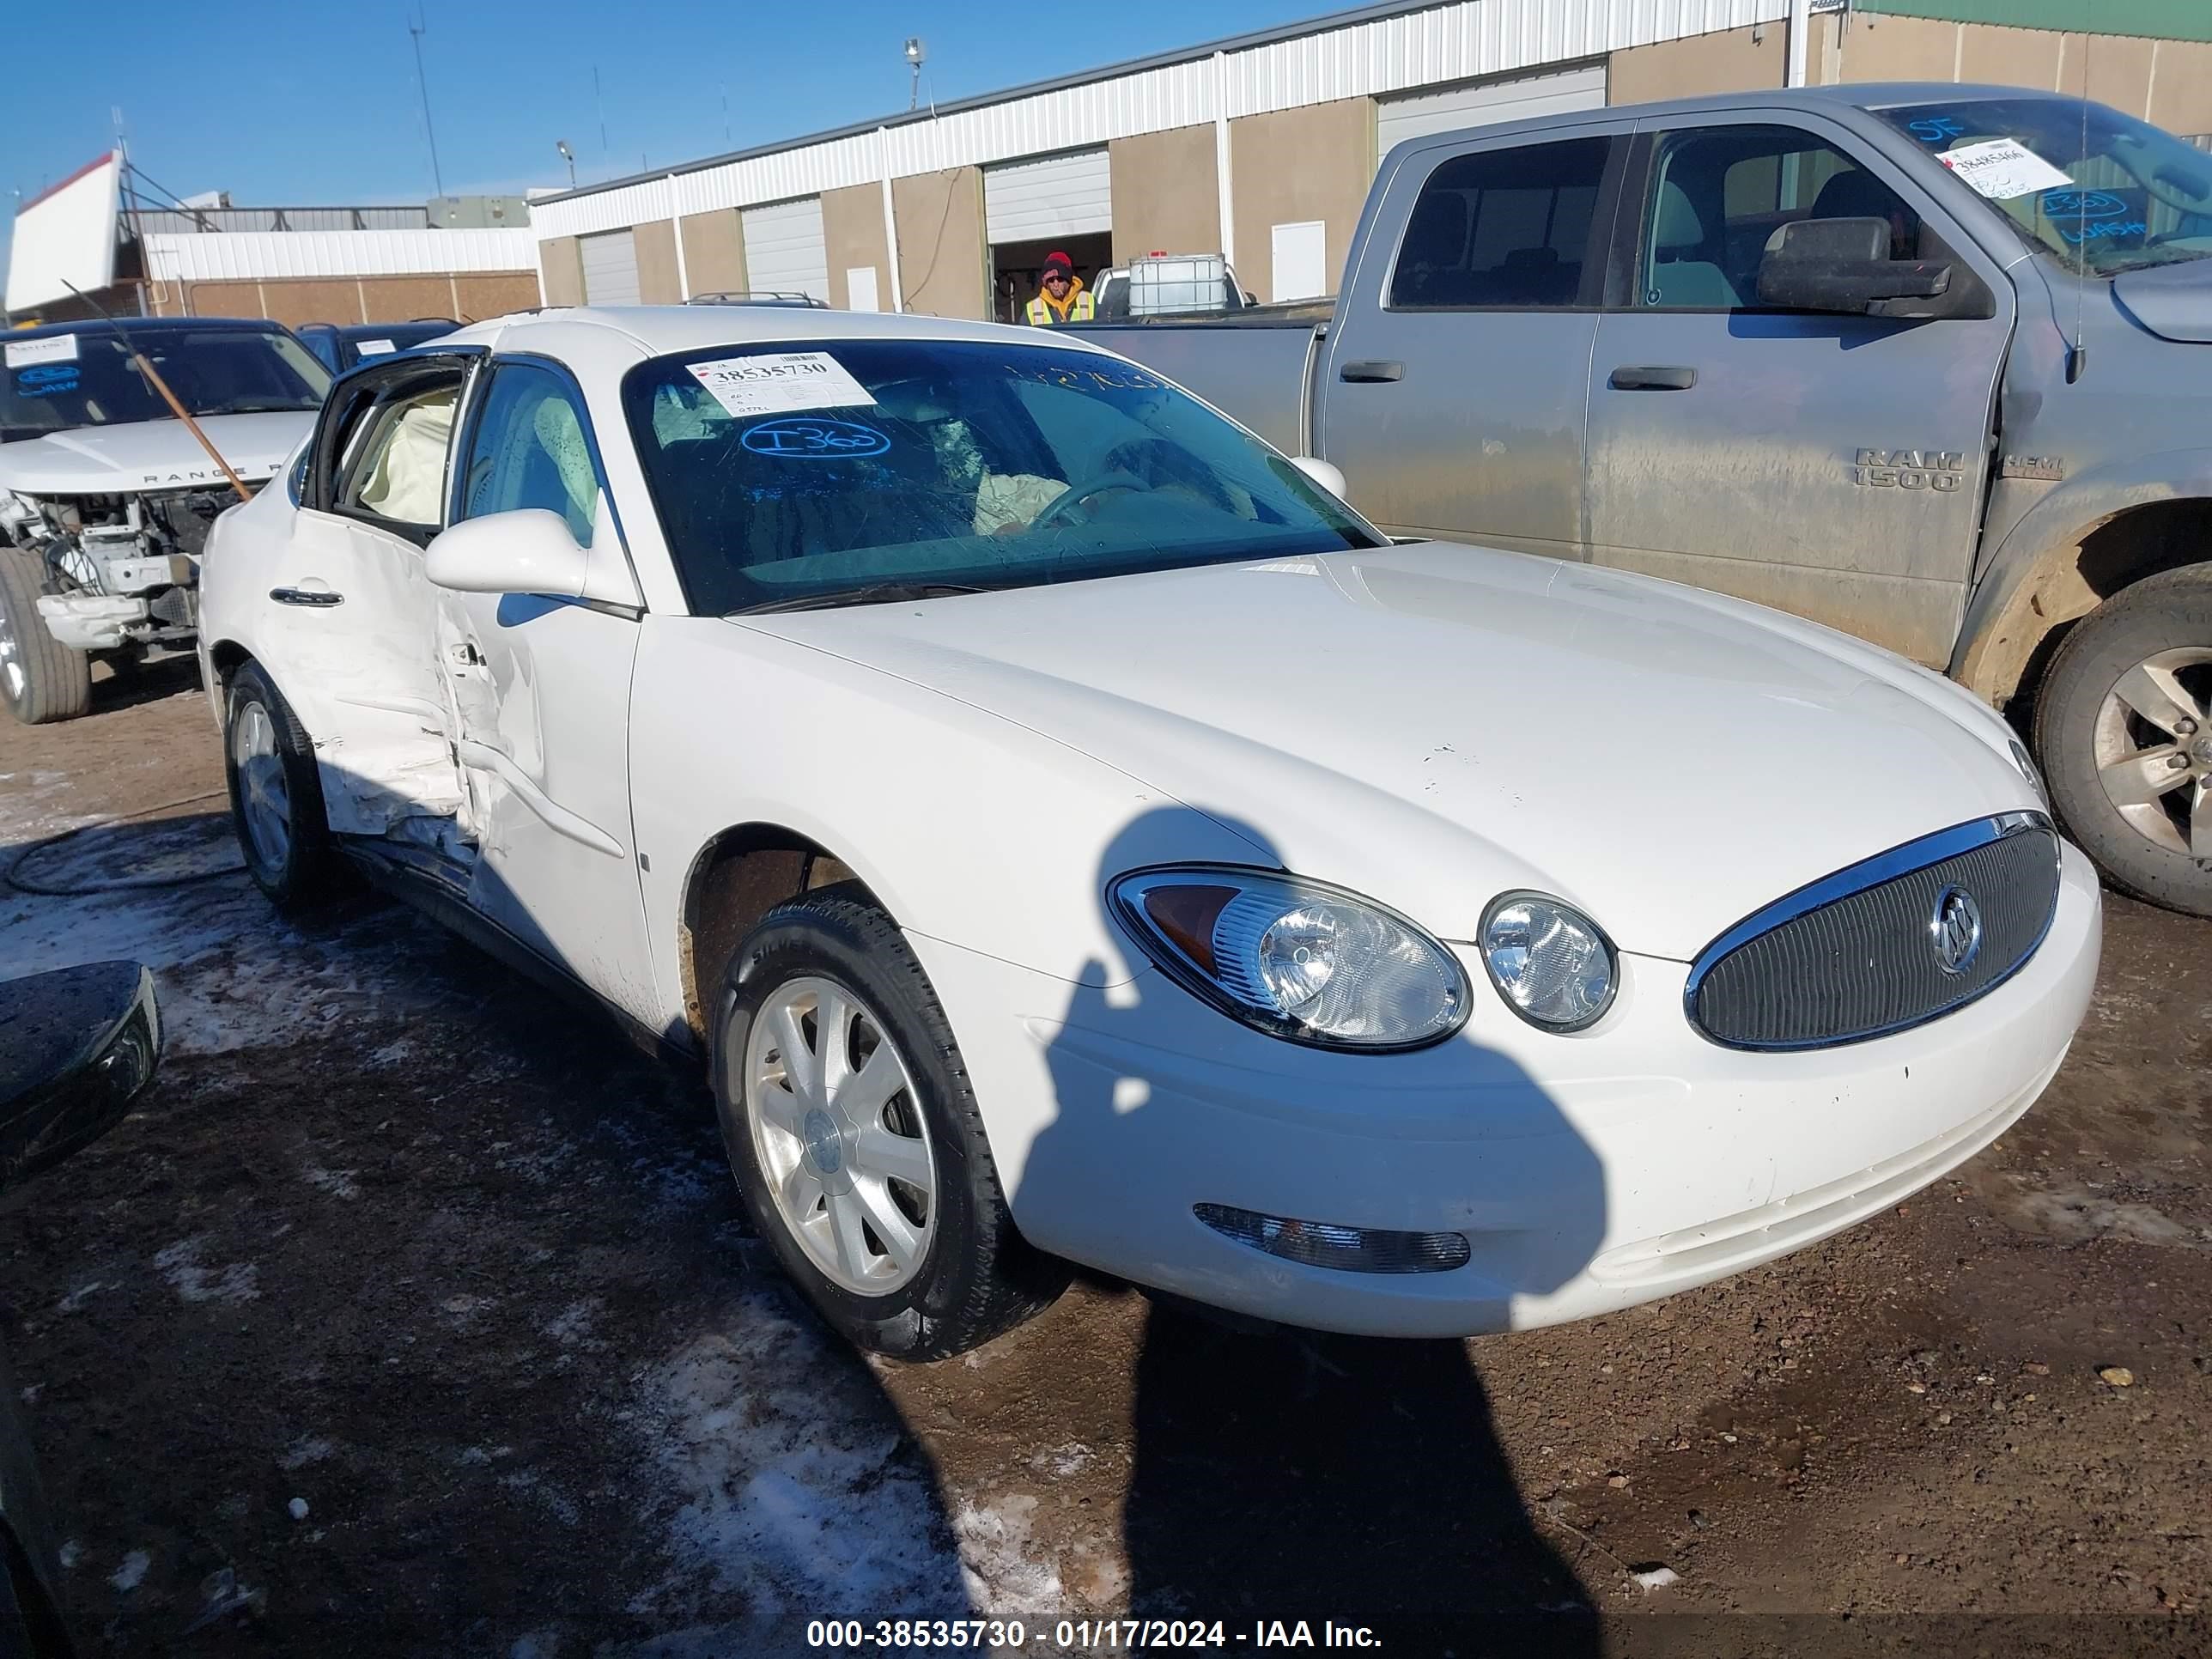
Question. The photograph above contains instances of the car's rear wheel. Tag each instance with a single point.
(2124, 730)
(41, 679)
(275, 795)
(855, 1138)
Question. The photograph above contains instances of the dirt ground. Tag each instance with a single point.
(396, 1238)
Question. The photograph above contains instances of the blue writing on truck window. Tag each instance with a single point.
(1934, 128)
(797, 439)
(2082, 204)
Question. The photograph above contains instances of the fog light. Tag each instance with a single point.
(1324, 1245)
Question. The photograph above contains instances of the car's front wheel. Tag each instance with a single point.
(2124, 729)
(276, 794)
(855, 1138)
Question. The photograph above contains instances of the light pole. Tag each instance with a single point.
(915, 52)
(569, 156)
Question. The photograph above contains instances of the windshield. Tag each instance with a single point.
(59, 381)
(811, 472)
(2102, 191)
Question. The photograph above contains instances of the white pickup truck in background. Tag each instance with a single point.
(105, 498)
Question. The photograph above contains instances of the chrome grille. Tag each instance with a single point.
(1859, 954)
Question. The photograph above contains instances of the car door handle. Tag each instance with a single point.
(1652, 377)
(1372, 372)
(320, 596)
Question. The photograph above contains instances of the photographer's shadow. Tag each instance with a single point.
(1287, 1475)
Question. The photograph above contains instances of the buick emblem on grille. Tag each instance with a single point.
(1955, 929)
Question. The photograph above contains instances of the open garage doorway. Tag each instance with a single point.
(1015, 268)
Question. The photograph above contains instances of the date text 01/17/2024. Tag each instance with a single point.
(1081, 1635)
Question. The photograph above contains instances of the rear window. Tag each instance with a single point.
(1503, 228)
(803, 470)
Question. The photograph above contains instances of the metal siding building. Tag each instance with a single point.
(1081, 157)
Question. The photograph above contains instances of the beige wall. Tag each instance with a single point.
(852, 235)
(1298, 164)
(942, 255)
(1167, 194)
(353, 299)
(714, 252)
(2167, 81)
(1729, 60)
(656, 263)
(564, 270)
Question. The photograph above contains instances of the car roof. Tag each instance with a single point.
(144, 326)
(611, 338)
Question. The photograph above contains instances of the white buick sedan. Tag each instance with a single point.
(1068, 834)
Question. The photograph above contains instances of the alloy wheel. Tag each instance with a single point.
(2153, 747)
(839, 1135)
(264, 794)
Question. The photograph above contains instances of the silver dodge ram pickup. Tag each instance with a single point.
(1931, 364)
(106, 497)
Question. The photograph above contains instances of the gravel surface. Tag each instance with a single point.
(413, 1314)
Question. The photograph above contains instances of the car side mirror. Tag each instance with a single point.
(1329, 478)
(1844, 265)
(76, 1047)
(529, 550)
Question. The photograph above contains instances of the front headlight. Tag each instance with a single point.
(1295, 958)
(1552, 964)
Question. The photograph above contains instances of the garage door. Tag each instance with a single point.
(1060, 196)
(784, 251)
(610, 269)
(1417, 114)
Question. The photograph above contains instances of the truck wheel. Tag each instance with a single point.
(855, 1138)
(42, 679)
(275, 795)
(2124, 730)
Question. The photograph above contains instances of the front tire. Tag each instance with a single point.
(275, 795)
(855, 1138)
(2124, 730)
(41, 679)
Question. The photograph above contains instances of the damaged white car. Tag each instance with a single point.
(1069, 833)
(105, 498)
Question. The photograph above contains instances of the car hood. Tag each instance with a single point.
(2173, 301)
(1434, 724)
(117, 460)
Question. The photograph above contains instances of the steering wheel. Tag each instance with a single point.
(1065, 504)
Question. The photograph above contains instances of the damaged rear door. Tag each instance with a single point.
(349, 626)
(541, 687)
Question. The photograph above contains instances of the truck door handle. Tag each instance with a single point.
(318, 597)
(1651, 377)
(1366, 372)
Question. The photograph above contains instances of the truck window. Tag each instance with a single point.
(1506, 229)
(1719, 195)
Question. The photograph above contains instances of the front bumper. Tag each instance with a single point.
(1588, 1173)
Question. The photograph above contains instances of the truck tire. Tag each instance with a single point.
(41, 679)
(2123, 733)
(877, 1190)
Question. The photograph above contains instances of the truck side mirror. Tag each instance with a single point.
(1844, 265)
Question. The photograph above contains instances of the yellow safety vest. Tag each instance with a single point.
(1040, 311)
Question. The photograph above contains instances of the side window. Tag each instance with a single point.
(392, 464)
(1503, 229)
(531, 449)
(1719, 195)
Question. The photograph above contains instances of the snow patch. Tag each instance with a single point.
(179, 1265)
(308, 1448)
(132, 1573)
(338, 1183)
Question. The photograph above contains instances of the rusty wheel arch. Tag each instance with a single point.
(736, 878)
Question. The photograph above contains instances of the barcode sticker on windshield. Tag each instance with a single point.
(55, 349)
(2001, 168)
(779, 382)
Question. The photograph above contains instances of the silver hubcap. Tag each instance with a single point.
(2154, 748)
(839, 1136)
(262, 791)
(11, 661)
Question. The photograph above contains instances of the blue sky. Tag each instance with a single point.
(317, 103)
